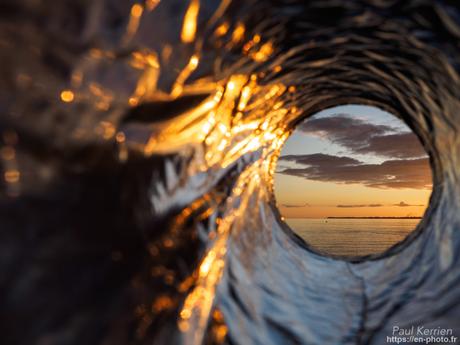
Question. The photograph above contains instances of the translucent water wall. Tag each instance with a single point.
(138, 144)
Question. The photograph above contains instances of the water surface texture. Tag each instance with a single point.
(138, 145)
(352, 237)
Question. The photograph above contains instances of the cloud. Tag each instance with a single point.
(399, 173)
(294, 205)
(362, 137)
(321, 159)
(400, 145)
(358, 206)
(403, 204)
(350, 132)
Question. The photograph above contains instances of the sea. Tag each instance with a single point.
(352, 237)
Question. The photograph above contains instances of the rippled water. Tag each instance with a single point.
(352, 237)
(138, 146)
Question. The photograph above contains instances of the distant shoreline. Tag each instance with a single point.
(374, 217)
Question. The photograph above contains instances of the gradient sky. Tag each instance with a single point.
(352, 161)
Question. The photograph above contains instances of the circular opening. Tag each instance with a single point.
(352, 181)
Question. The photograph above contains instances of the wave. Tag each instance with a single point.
(138, 152)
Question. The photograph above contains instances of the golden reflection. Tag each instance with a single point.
(67, 96)
(219, 330)
(179, 133)
(76, 78)
(190, 22)
(225, 133)
(106, 130)
(251, 43)
(12, 176)
(196, 309)
(162, 303)
(232, 128)
(241, 117)
(245, 95)
(151, 4)
(202, 296)
(133, 101)
(136, 10)
(133, 23)
(147, 82)
(122, 148)
(222, 29)
(11, 173)
(120, 137)
(238, 33)
(263, 53)
(185, 73)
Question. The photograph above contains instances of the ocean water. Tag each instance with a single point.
(352, 236)
(185, 204)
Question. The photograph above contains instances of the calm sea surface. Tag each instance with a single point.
(352, 236)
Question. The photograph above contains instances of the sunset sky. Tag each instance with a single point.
(352, 161)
